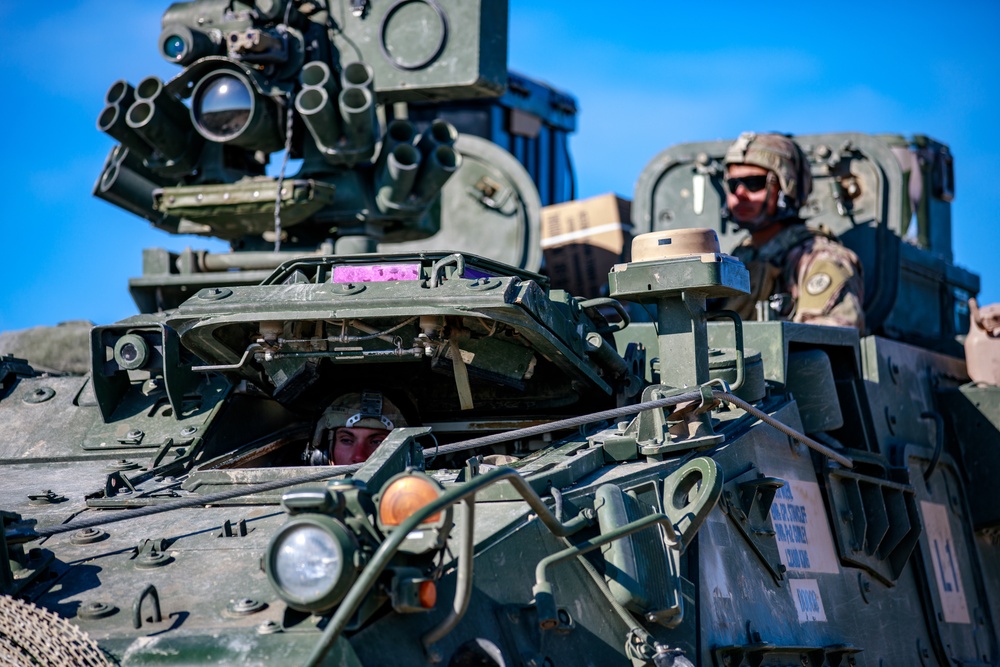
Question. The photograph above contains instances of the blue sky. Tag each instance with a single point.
(646, 74)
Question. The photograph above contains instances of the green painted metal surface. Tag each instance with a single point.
(159, 499)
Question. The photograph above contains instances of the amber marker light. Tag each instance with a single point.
(427, 595)
(405, 496)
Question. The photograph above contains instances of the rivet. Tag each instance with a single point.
(152, 559)
(39, 395)
(121, 465)
(94, 610)
(88, 536)
(246, 606)
(269, 628)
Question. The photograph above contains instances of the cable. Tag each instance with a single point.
(333, 471)
(195, 501)
(787, 430)
(474, 443)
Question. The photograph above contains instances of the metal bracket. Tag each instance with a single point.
(687, 427)
(398, 452)
(239, 530)
(151, 554)
(17, 567)
(471, 469)
(747, 500)
(761, 652)
(117, 483)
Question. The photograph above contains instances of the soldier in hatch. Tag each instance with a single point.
(799, 274)
(352, 428)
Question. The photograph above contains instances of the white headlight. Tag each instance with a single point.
(307, 562)
(311, 561)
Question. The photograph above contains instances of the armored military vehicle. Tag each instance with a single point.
(624, 479)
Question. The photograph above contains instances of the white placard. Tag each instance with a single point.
(808, 602)
(802, 530)
(944, 560)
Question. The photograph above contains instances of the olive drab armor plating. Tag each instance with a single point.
(629, 479)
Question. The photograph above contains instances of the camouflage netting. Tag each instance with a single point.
(64, 348)
(30, 635)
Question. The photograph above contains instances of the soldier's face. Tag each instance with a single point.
(747, 203)
(354, 445)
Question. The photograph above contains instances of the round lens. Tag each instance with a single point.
(307, 562)
(404, 497)
(223, 107)
(129, 353)
(175, 47)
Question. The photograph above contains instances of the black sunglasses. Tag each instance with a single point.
(751, 183)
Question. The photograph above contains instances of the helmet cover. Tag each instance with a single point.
(776, 153)
(369, 409)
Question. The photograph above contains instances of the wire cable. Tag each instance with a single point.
(333, 471)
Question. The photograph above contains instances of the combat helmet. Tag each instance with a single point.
(369, 409)
(780, 155)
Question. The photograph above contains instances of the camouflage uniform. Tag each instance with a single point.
(807, 275)
(802, 274)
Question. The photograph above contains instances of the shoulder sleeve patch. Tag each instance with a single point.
(824, 279)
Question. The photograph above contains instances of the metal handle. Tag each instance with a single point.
(938, 442)
(150, 592)
(456, 259)
(738, 328)
(613, 303)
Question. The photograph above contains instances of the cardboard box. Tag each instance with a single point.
(583, 239)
